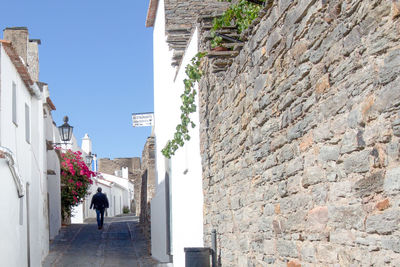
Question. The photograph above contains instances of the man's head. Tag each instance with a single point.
(99, 189)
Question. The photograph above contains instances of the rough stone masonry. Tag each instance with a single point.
(300, 138)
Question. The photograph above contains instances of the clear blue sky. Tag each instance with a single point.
(97, 58)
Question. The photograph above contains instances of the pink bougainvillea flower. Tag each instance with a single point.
(75, 177)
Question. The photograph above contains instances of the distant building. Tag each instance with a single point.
(116, 182)
(122, 167)
(119, 191)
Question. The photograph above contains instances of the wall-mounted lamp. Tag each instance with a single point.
(66, 130)
(65, 134)
(89, 159)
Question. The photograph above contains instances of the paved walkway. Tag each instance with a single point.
(119, 243)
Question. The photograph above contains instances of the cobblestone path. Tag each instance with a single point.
(119, 243)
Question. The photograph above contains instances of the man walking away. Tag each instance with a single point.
(99, 202)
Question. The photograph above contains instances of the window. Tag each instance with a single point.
(14, 103)
(27, 124)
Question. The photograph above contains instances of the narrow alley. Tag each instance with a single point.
(119, 243)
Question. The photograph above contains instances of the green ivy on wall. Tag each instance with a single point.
(240, 15)
(194, 73)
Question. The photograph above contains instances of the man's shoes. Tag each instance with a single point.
(99, 227)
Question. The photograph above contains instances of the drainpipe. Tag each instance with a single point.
(214, 247)
(6, 154)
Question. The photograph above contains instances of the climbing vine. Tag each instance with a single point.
(240, 15)
(194, 73)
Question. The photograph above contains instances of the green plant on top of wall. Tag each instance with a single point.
(194, 73)
(240, 15)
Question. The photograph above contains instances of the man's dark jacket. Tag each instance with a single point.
(99, 201)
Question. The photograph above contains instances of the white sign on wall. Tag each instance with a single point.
(142, 119)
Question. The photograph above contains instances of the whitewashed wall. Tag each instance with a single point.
(186, 189)
(117, 190)
(186, 178)
(163, 84)
(53, 180)
(31, 161)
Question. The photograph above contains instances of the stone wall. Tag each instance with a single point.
(180, 20)
(148, 185)
(148, 164)
(300, 138)
(148, 180)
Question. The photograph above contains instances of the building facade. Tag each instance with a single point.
(25, 164)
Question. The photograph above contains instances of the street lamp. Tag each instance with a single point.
(65, 130)
(89, 159)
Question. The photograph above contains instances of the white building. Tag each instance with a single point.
(24, 160)
(77, 212)
(53, 166)
(177, 207)
(119, 191)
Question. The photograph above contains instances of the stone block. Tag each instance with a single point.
(388, 97)
(313, 175)
(326, 253)
(296, 222)
(307, 252)
(259, 84)
(295, 202)
(393, 152)
(383, 223)
(322, 84)
(286, 248)
(294, 166)
(329, 153)
(391, 67)
(293, 263)
(269, 247)
(306, 142)
(372, 183)
(346, 217)
(282, 189)
(277, 226)
(355, 118)
(273, 40)
(286, 153)
(278, 142)
(334, 104)
(396, 127)
(294, 184)
(319, 194)
(357, 162)
(342, 237)
(283, 5)
(391, 243)
(383, 205)
(317, 219)
(340, 190)
(395, 8)
(391, 183)
(269, 210)
(351, 41)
